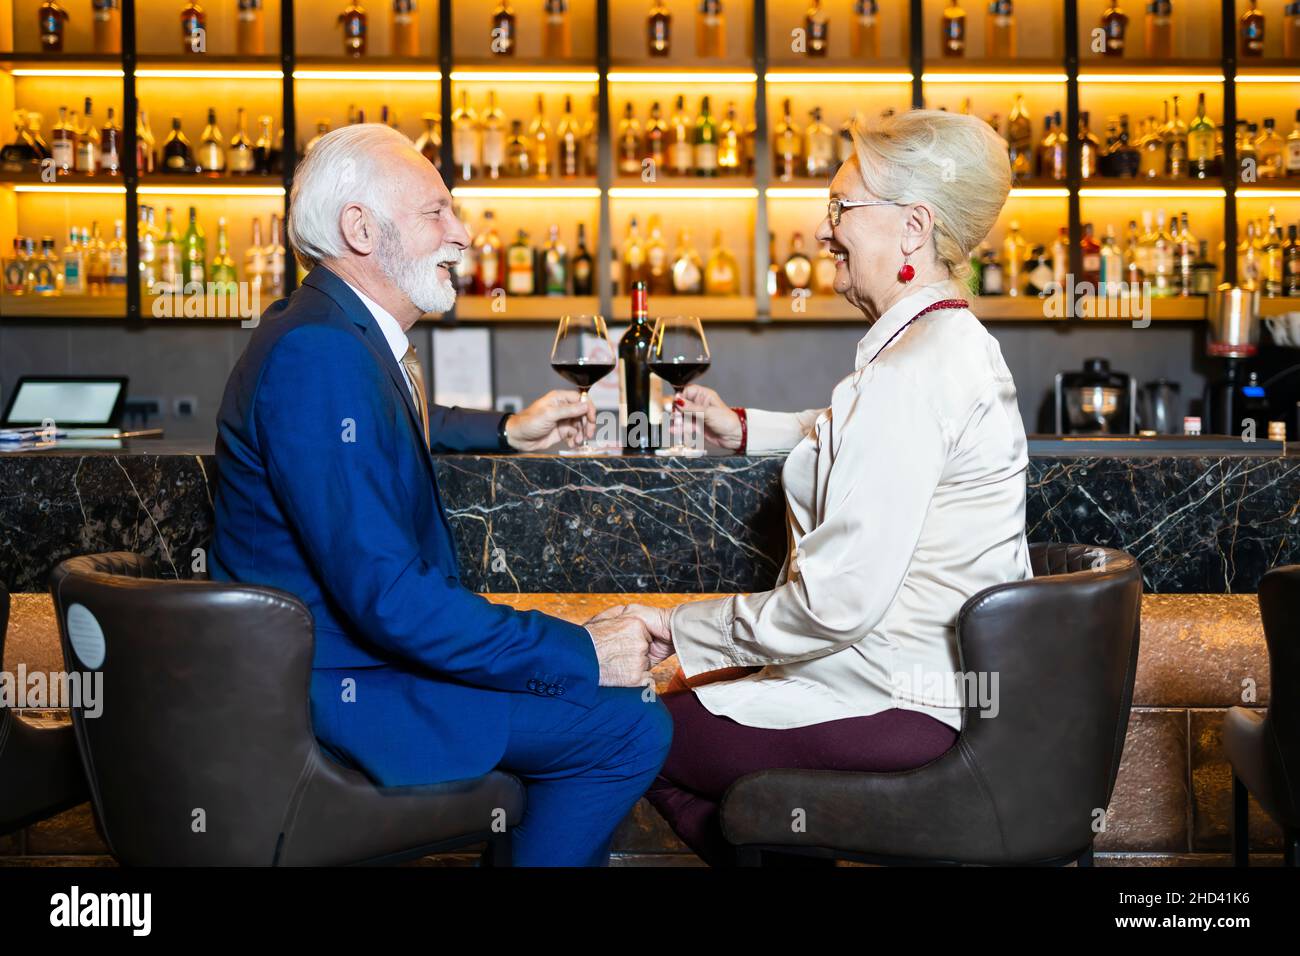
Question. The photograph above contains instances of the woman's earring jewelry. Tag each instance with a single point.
(906, 273)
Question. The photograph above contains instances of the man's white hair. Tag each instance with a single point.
(345, 166)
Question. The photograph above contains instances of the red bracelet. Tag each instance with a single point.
(744, 430)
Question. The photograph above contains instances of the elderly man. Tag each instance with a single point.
(327, 490)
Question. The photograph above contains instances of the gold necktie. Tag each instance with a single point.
(412, 366)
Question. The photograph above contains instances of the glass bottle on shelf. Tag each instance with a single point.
(864, 39)
(705, 142)
(519, 158)
(568, 143)
(952, 30)
(1160, 29)
(1252, 31)
(819, 147)
(110, 147)
(557, 41)
(687, 270)
(1270, 152)
(493, 133)
(654, 145)
(194, 28)
(63, 144)
(659, 30)
(1000, 31)
(52, 19)
(88, 144)
(582, 265)
(194, 252)
(629, 143)
(710, 29)
(211, 155)
(658, 270)
(1200, 143)
(539, 132)
(787, 148)
(405, 28)
(1114, 24)
(1175, 135)
(721, 273)
(504, 38)
(1089, 147)
(816, 30)
(730, 144)
(249, 34)
(1020, 140)
(464, 139)
(106, 26)
(681, 152)
(353, 23)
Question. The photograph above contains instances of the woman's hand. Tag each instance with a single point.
(721, 424)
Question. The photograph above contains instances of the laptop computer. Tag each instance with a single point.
(80, 406)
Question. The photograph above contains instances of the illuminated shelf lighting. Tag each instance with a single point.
(708, 192)
(184, 189)
(526, 192)
(209, 74)
(523, 76)
(1155, 192)
(1249, 192)
(1151, 78)
(839, 77)
(666, 78)
(78, 74)
(69, 188)
(366, 75)
(993, 77)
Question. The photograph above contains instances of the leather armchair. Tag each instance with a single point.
(1264, 749)
(204, 752)
(1024, 787)
(40, 771)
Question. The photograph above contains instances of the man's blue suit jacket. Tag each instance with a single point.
(326, 490)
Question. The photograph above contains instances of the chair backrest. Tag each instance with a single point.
(205, 726)
(1279, 607)
(1063, 647)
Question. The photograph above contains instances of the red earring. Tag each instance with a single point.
(906, 273)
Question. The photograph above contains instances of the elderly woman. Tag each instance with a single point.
(904, 498)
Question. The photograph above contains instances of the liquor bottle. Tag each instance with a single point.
(51, 19)
(1160, 29)
(1291, 164)
(705, 142)
(519, 158)
(241, 158)
(110, 147)
(176, 155)
(731, 144)
(249, 36)
(106, 25)
(63, 144)
(1000, 31)
(539, 133)
(464, 139)
(1205, 275)
(582, 265)
(1020, 140)
(1270, 152)
(1175, 137)
(864, 40)
(658, 270)
(710, 29)
(816, 30)
(1089, 148)
(555, 264)
(493, 133)
(194, 28)
(634, 376)
(787, 147)
(819, 147)
(798, 267)
(952, 31)
(96, 262)
(353, 23)
(275, 258)
(194, 253)
(568, 143)
(148, 251)
(556, 40)
(659, 29)
(1252, 31)
(73, 263)
(1200, 143)
(211, 155)
(721, 273)
(681, 152)
(687, 270)
(504, 38)
(405, 28)
(629, 143)
(1114, 24)
(1291, 264)
(633, 258)
(520, 279)
(116, 278)
(1013, 255)
(1090, 258)
(266, 158)
(823, 276)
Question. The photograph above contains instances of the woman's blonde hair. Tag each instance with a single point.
(954, 163)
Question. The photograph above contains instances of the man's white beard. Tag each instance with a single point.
(418, 279)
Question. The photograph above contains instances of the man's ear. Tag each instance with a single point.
(358, 229)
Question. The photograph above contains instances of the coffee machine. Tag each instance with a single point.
(1235, 395)
(1096, 401)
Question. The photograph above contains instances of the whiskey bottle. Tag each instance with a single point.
(249, 35)
(1252, 31)
(864, 40)
(556, 40)
(710, 29)
(51, 18)
(504, 38)
(952, 30)
(1114, 24)
(1000, 31)
(194, 28)
(353, 23)
(816, 30)
(406, 28)
(106, 26)
(659, 30)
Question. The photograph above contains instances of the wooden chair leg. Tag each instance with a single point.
(749, 856)
(1240, 823)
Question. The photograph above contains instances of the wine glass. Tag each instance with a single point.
(679, 354)
(583, 355)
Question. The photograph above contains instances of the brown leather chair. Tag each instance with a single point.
(1264, 749)
(204, 753)
(1025, 787)
(40, 771)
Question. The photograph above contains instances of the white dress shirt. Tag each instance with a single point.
(904, 498)
(393, 335)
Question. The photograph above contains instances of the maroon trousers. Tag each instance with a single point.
(710, 752)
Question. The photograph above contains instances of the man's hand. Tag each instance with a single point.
(658, 621)
(721, 424)
(622, 649)
(556, 416)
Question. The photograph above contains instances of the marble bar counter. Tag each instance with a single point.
(1202, 516)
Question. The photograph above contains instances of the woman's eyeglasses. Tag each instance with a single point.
(836, 207)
